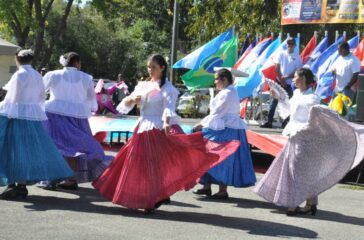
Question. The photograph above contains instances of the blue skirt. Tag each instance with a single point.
(237, 170)
(28, 154)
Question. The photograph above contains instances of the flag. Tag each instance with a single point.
(245, 46)
(323, 45)
(325, 86)
(247, 51)
(248, 58)
(269, 67)
(310, 47)
(204, 76)
(195, 59)
(359, 53)
(318, 63)
(246, 86)
(353, 43)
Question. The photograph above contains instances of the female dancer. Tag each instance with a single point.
(104, 96)
(221, 125)
(72, 98)
(28, 154)
(154, 164)
(311, 162)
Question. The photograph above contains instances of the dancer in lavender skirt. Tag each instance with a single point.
(72, 98)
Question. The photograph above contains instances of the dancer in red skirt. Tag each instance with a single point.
(155, 164)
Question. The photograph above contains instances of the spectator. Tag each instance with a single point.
(346, 70)
(287, 62)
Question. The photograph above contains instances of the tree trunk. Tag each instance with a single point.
(39, 40)
(60, 29)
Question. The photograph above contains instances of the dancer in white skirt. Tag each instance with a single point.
(321, 149)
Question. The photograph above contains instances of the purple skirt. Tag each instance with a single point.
(74, 138)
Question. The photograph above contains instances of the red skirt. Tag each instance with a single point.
(152, 166)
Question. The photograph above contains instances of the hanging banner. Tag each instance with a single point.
(322, 11)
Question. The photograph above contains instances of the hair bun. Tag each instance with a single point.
(63, 61)
(25, 53)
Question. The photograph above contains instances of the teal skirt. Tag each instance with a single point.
(28, 154)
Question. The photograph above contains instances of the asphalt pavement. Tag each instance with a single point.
(85, 215)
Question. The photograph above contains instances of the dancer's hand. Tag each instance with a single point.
(273, 94)
(167, 128)
(137, 99)
(197, 128)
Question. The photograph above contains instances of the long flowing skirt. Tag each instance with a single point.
(152, 166)
(313, 160)
(73, 137)
(237, 170)
(28, 154)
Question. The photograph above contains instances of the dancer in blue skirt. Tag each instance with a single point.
(27, 153)
(221, 125)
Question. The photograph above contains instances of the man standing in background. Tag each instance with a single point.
(346, 70)
(286, 64)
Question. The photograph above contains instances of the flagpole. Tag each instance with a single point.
(237, 44)
(174, 40)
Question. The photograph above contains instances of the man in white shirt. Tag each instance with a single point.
(286, 63)
(346, 70)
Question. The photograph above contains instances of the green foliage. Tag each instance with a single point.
(210, 18)
(115, 36)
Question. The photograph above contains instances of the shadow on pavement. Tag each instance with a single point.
(320, 215)
(333, 217)
(84, 204)
(251, 226)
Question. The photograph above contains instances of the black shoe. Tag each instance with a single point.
(203, 191)
(220, 195)
(293, 212)
(160, 203)
(9, 192)
(21, 191)
(52, 186)
(266, 125)
(149, 211)
(312, 209)
(69, 185)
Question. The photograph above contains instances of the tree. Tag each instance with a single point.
(28, 21)
(209, 18)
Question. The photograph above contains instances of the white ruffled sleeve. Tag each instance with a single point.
(12, 87)
(123, 108)
(170, 96)
(217, 111)
(91, 97)
(47, 81)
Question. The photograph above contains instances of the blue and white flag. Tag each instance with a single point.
(323, 45)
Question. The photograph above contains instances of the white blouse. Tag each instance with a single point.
(300, 106)
(25, 96)
(224, 111)
(72, 93)
(156, 105)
